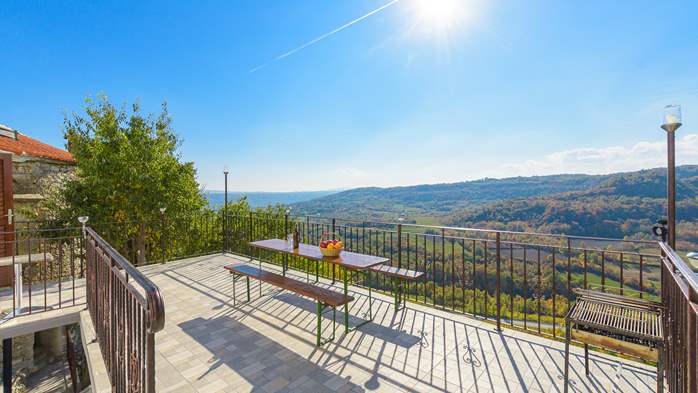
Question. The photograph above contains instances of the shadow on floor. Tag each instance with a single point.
(414, 349)
(263, 363)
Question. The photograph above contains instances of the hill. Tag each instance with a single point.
(263, 199)
(622, 205)
(616, 205)
(431, 200)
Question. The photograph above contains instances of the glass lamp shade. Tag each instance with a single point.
(672, 115)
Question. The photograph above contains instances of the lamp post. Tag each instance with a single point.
(671, 122)
(225, 210)
(162, 233)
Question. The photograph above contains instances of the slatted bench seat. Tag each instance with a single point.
(324, 297)
(399, 276)
(622, 324)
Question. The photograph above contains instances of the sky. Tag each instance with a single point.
(317, 94)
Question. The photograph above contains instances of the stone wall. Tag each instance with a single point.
(34, 178)
(30, 175)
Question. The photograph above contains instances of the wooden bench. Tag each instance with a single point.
(399, 276)
(324, 297)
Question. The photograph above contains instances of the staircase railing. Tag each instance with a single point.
(127, 310)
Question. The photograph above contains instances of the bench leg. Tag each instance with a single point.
(320, 309)
(319, 323)
(234, 295)
(317, 271)
(248, 288)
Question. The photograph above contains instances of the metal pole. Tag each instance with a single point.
(671, 180)
(225, 213)
(499, 282)
(671, 187)
(7, 365)
(162, 234)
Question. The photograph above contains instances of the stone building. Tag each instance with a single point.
(28, 168)
(36, 166)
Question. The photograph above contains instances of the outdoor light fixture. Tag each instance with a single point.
(671, 122)
(672, 117)
(83, 220)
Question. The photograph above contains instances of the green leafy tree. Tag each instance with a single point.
(129, 167)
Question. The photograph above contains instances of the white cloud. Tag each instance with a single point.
(611, 159)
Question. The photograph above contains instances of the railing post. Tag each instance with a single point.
(7, 364)
(399, 245)
(499, 282)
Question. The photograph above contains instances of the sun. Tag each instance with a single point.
(442, 16)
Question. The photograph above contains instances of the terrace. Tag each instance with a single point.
(488, 317)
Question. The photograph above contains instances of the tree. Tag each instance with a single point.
(129, 166)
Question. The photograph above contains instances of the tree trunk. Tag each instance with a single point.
(140, 244)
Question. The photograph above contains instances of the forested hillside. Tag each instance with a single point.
(617, 205)
(439, 199)
(623, 205)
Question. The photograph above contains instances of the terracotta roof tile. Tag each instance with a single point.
(26, 146)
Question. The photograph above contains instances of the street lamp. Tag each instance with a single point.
(225, 210)
(83, 220)
(670, 123)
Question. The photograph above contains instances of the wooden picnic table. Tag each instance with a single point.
(346, 261)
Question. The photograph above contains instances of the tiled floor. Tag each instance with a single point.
(268, 345)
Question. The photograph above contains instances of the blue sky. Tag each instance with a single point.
(492, 88)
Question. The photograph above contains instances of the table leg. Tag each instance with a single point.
(284, 264)
(345, 279)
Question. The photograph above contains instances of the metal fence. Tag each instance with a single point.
(680, 299)
(44, 269)
(522, 280)
(127, 310)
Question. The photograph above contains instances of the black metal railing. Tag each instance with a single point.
(127, 310)
(680, 301)
(48, 265)
(523, 280)
(50, 261)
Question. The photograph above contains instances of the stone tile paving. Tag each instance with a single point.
(268, 345)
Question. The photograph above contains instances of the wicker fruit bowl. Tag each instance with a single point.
(331, 244)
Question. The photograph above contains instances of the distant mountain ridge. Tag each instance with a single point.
(441, 199)
(264, 199)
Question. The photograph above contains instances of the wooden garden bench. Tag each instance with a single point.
(324, 297)
(399, 276)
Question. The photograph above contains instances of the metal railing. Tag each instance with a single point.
(127, 310)
(680, 299)
(523, 280)
(43, 269)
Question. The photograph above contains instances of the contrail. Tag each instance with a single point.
(322, 37)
